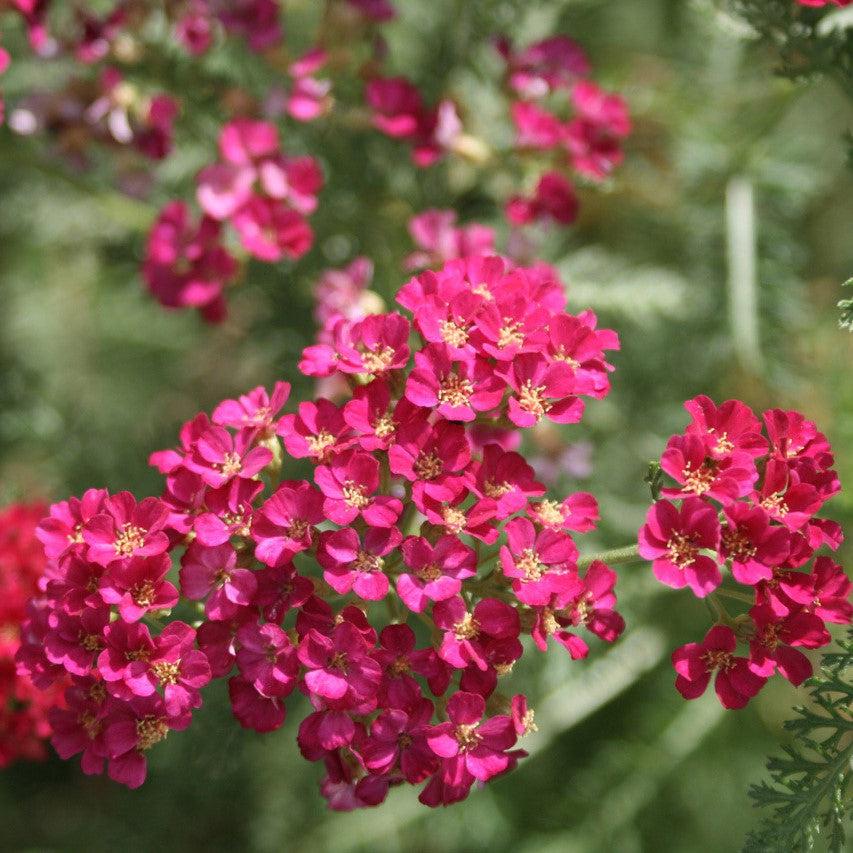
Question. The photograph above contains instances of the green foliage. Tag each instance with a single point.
(846, 306)
(809, 793)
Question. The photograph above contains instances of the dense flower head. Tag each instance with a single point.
(24, 709)
(745, 500)
(410, 517)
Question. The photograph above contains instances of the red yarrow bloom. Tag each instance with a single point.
(79, 727)
(674, 539)
(436, 571)
(544, 66)
(398, 740)
(126, 529)
(577, 512)
(541, 390)
(255, 410)
(349, 483)
(286, 523)
(752, 544)
(252, 710)
(317, 431)
(696, 663)
(138, 586)
(771, 648)
(458, 390)
(470, 748)
(131, 730)
(267, 659)
(540, 565)
(352, 564)
(503, 481)
(338, 667)
(730, 427)
(594, 607)
(400, 660)
(688, 461)
(218, 456)
(553, 198)
(62, 530)
(472, 637)
(212, 575)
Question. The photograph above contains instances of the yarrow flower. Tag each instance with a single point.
(404, 497)
(746, 501)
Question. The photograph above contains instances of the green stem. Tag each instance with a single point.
(613, 557)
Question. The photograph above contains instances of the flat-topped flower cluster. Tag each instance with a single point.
(417, 498)
(747, 499)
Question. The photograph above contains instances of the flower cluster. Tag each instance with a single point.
(816, 3)
(415, 500)
(747, 500)
(263, 193)
(554, 71)
(23, 708)
(106, 111)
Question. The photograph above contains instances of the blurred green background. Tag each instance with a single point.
(94, 375)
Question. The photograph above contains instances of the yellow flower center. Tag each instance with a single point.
(428, 466)
(354, 495)
(467, 628)
(149, 731)
(455, 390)
(129, 538)
(454, 334)
(531, 399)
(681, 550)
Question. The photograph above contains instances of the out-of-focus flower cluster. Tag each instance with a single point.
(565, 125)
(24, 709)
(264, 194)
(747, 501)
(557, 108)
(415, 502)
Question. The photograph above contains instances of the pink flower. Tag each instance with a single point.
(218, 456)
(437, 571)
(126, 529)
(138, 586)
(439, 239)
(339, 668)
(131, 730)
(349, 483)
(544, 66)
(398, 740)
(427, 455)
(470, 748)
(536, 127)
(212, 575)
(123, 663)
(269, 231)
(62, 531)
(830, 592)
(771, 648)
(541, 390)
(753, 546)
(594, 607)
(267, 659)
(186, 266)
(553, 198)
(79, 727)
(695, 663)
(258, 21)
(541, 565)
(285, 524)
(399, 661)
(376, 422)
(255, 410)
(576, 512)
(350, 564)
(374, 345)
(503, 481)
(471, 637)
(577, 342)
(72, 641)
(280, 590)
(457, 389)
(317, 430)
(674, 538)
(688, 461)
(731, 427)
(229, 511)
(252, 710)
(594, 136)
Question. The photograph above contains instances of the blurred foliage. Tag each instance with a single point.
(94, 376)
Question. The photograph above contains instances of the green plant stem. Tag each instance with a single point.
(613, 557)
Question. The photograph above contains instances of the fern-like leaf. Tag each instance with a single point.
(808, 790)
